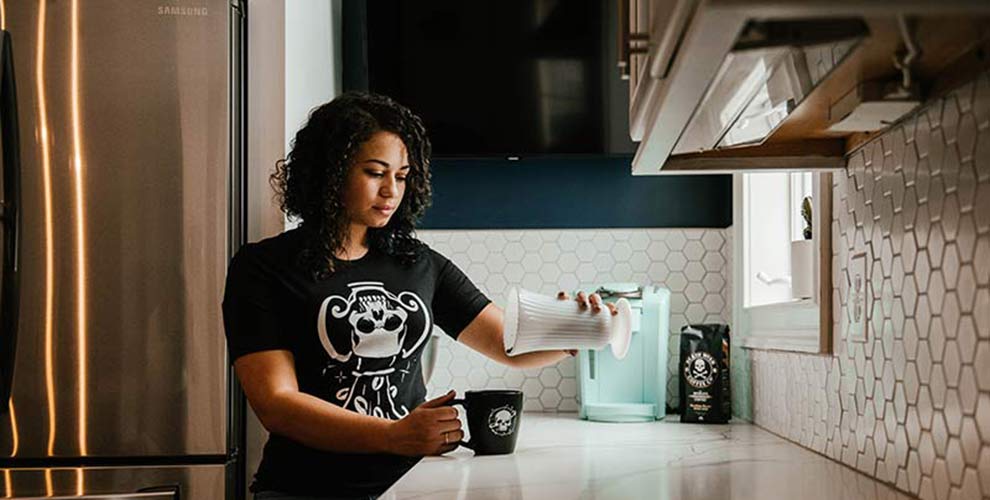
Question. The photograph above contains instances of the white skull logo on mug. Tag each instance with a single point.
(502, 420)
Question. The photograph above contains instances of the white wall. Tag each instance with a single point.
(312, 61)
(312, 72)
(294, 55)
(265, 113)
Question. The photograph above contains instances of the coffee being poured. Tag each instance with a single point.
(535, 322)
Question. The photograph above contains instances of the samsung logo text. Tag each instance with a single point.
(175, 10)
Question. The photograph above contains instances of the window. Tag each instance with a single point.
(774, 200)
(767, 219)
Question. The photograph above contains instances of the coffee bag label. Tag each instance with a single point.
(700, 370)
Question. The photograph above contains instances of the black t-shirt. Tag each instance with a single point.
(357, 338)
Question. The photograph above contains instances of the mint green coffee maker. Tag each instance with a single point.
(633, 389)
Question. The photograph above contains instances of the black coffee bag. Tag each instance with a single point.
(704, 374)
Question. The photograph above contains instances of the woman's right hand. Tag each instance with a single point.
(422, 431)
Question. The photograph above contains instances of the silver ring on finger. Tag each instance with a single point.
(445, 438)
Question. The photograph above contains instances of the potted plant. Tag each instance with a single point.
(802, 257)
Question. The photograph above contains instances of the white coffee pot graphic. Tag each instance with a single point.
(377, 319)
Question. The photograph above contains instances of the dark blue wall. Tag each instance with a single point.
(571, 193)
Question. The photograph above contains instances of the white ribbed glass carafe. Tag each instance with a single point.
(535, 322)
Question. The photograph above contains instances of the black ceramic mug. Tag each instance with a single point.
(493, 420)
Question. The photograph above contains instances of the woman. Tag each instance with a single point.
(326, 323)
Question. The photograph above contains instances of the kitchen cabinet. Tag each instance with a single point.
(739, 85)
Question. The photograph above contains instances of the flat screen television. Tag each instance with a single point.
(490, 78)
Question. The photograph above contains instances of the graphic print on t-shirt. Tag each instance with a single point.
(376, 353)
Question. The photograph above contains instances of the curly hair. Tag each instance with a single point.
(309, 184)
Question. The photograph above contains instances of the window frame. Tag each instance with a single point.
(797, 325)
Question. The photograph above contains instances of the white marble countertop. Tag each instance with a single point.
(561, 457)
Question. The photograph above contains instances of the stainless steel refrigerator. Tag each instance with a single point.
(122, 203)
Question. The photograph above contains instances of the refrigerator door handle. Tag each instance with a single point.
(11, 218)
(174, 489)
(168, 493)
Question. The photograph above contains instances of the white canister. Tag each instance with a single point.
(802, 269)
(535, 322)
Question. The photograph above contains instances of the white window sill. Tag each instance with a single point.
(789, 326)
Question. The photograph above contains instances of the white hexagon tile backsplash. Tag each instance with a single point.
(911, 404)
(692, 263)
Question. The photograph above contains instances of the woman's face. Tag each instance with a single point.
(376, 180)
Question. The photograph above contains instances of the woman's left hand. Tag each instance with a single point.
(594, 300)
